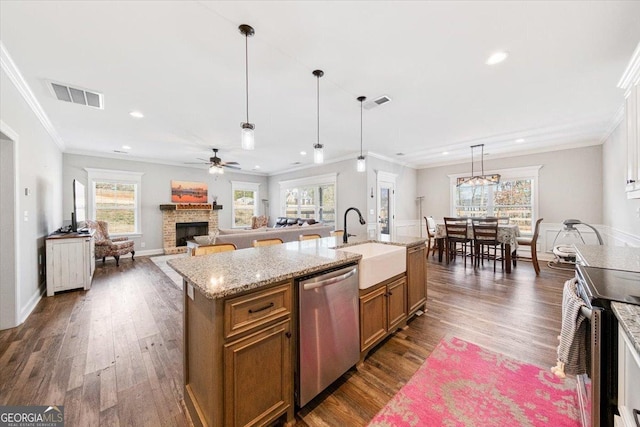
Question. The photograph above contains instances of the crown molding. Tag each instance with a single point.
(545, 149)
(631, 75)
(14, 74)
(615, 122)
(391, 160)
(127, 157)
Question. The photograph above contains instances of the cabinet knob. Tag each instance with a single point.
(288, 334)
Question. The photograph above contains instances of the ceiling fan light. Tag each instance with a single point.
(361, 166)
(318, 154)
(247, 136)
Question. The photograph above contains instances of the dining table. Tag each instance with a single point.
(507, 235)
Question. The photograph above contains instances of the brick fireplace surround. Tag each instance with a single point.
(173, 213)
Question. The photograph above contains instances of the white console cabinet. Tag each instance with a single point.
(70, 261)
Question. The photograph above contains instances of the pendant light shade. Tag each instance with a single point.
(318, 153)
(361, 165)
(247, 137)
(478, 180)
(318, 149)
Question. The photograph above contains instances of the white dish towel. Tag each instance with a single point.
(573, 356)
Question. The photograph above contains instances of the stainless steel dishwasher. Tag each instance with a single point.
(329, 331)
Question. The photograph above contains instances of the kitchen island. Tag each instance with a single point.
(240, 331)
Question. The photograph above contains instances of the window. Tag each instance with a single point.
(245, 203)
(114, 197)
(514, 197)
(313, 197)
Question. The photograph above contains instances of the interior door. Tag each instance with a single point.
(386, 206)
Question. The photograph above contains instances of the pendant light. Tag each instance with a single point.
(318, 152)
(361, 166)
(482, 179)
(247, 136)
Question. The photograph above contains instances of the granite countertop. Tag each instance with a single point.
(406, 241)
(228, 273)
(629, 317)
(613, 257)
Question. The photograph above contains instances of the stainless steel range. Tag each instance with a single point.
(598, 390)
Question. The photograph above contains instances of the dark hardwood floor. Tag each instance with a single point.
(113, 355)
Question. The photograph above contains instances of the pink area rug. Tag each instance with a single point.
(461, 384)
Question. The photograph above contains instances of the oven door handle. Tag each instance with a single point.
(588, 313)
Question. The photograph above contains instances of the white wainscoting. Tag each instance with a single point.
(409, 227)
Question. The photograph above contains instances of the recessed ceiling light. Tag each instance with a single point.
(256, 167)
(444, 153)
(520, 140)
(136, 114)
(497, 58)
(126, 147)
(303, 153)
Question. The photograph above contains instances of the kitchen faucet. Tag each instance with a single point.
(346, 235)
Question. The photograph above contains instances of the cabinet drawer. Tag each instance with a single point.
(415, 249)
(258, 308)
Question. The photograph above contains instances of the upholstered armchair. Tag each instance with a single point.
(259, 221)
(107, 246)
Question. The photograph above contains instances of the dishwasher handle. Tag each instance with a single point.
(331, 281)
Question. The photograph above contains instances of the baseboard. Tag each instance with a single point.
(33, 302)
(148, 252)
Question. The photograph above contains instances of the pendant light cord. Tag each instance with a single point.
(318, 105)
(360, 128)
(246, 73)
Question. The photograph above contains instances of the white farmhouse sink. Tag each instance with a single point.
(379, 262)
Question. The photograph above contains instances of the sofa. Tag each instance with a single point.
(244, 238)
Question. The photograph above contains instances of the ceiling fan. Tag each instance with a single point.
(216, 164)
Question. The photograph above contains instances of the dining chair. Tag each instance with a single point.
(213, 249)
(336, 233)
(531, 242)
(267, 242)
(457, 232)
(309, 237)
(485, 234)
(502, 220)
(431, 235)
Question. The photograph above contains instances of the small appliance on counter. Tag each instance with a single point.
(563, 249)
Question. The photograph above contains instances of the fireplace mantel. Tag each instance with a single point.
(190, 207)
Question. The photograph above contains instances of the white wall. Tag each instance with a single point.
(620, 214)
(39, 169)
(569, 186)
(570, 183)
(156, 190)
(406, 210)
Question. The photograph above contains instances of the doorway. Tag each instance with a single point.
(8, 248)
(386, 205)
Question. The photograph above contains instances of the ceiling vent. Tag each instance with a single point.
(376, 102)
(77, 96)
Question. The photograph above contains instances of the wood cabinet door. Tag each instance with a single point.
(416, 277)
(373, 317)
(396, 303)
(258, 376)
